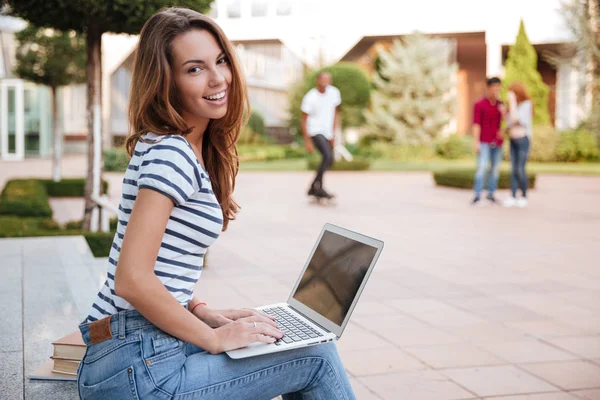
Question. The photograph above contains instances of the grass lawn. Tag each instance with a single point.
(428, 165)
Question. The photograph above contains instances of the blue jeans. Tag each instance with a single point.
(486, 155)
(140, 361)
(519, 150)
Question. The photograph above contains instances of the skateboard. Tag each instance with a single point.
(322, 201)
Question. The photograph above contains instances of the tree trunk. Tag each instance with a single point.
(57, 135)
(94, 107)
(592, 14)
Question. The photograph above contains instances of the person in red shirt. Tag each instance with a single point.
(487, 139)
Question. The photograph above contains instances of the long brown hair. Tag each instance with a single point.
(154, 107)
(520, 92)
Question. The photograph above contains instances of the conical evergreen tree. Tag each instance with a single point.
(413, 99)
(521, 65)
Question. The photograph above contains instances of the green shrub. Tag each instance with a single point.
(256, 122)
(294, 152)
(358, 164)
(13, 226)
(72, 187)
(76, 224)
(116, 159)
(370, 139)
(354, 87)
(464, 179)
(25, 198)
(100, 242)
(261, 152)
(576, 146)
(249, 137)
(404, 152)
(544, 143)
(454, 147)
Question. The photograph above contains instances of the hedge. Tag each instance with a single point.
(72, 187)
(358, 164)
(29, 197)
(464, 179)
(25, 198)
(100, 242)
(15, 226)
(18, 227)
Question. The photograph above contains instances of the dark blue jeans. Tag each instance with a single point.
(519, 150)
(487, 155)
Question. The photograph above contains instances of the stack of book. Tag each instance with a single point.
(62, 365)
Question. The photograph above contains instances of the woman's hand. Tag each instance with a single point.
(217, 318)
(244, 331)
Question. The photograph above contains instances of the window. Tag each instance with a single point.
(234, 9)
(259, 8)
(27, 100)
(284, 8)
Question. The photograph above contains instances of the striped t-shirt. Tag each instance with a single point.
(168, 165)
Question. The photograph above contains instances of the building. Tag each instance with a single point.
(26, 108)
(482, 38)
(277, 40)
(271, 64)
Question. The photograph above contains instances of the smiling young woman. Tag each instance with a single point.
(147, 335)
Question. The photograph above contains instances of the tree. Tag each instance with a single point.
(521, 65)
(413, 99)
(95, 17)
(52, 58)
(583, 19)
(354, 87)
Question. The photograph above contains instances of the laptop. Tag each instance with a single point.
(325, 293)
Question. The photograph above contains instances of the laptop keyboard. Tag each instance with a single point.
(294, 330)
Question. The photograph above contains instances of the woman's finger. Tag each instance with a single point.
(266, 329)
(238, 313)
(257, 337)
(260, 318)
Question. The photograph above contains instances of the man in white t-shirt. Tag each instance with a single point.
(320, 117)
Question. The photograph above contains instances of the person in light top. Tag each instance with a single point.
(520, 122)
(320, 118)
(148, 335)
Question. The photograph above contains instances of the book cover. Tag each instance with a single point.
(45, 373)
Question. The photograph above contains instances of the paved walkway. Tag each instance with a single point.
(465, 303)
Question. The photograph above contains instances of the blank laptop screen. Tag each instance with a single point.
(334, 275)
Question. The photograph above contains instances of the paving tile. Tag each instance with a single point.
(355, 337)
(585, 346)
(362, 392)
(379, 361)
(526, 351)
(540, 396)
(568, 375)
(453, 355)
(591, 394)
(548, 329)
(498, 380)
(450, 298)
(434, 312)
(485, 332)
(415, 386)
(11, 375)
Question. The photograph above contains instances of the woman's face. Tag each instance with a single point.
(202, 74)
